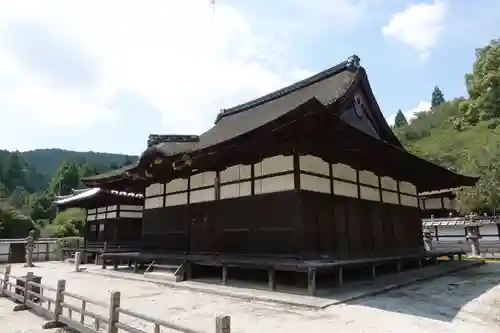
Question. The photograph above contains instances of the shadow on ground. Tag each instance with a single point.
(443, 298)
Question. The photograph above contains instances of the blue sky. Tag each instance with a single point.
(102, 75)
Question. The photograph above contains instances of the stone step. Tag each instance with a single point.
(162, 276)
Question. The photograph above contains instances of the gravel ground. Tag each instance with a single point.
(19, 322)
(461, 302)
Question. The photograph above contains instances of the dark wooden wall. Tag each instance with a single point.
(263, 224)
(300, 224)
(342, 227)
(116, 230)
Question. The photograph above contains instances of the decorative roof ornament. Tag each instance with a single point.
(155, 139)
(353, 61)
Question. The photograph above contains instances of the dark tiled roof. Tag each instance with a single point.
(117, 173)
(286, 90)
(326, 86)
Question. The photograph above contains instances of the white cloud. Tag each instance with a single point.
(420, 26)
(62, 62)
(410, 114)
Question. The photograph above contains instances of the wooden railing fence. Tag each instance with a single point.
(58, 309)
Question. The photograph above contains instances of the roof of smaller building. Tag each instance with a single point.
(460, 221)
(448, 192)
(91, 193)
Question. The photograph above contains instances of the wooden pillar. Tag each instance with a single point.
(86, 229)
(272, 278)
(311, 281)
(224, 274)
(374, 272)
(340, 276)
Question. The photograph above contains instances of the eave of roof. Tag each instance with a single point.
(345, 65)
(111, 175)
(92, 193)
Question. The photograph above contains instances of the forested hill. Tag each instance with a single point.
(47, 161)
(464, 133)
(30, 180)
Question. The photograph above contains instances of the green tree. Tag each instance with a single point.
(14, 224)
(437, 97)
(66, 179)
(67, 223)
(483, 85)
(400, 119)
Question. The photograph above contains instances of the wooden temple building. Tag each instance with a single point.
(112, 217)
(438, 203)
(311, 173)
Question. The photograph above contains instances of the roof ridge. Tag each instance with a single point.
(351, 62)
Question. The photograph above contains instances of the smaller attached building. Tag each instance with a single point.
(114, 217)
(442, 219)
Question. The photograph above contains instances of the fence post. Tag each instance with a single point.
(222, 324)
(114, 316)
(58, 307)
(5, 282)
(24, 306)
(78, 258)
(47, 252)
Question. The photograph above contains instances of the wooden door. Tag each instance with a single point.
(202, 227)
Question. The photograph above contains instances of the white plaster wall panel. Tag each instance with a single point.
(448, 234)
(176, 185)
(155, 189)
(131, 215)
(433, 203)
(408, 200)
(388, 183)
(314, 183)
(231, 174)
(207, 194)
(449, 203)
(408, 188)
(368, 178)
(245, 189)
(92, 211)
(101, 216)
(131, 207)
(489, 232)
(176, 199)
(203, 179)
(112, 215)
(345, 189)
(112, 208)
(230, 191)
(245, 172)
(343, 171)
(91, 218)
(277, 184)
(236, 190)
(277, 164)
(314, 164)
(390, 197)
(152, 203)
(236, 173)
(257, 169)
(257, 186)
(369, 193)
(101, 209)
(209, 178)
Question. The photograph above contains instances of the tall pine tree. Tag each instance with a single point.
(400, 119)
(437, 97)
